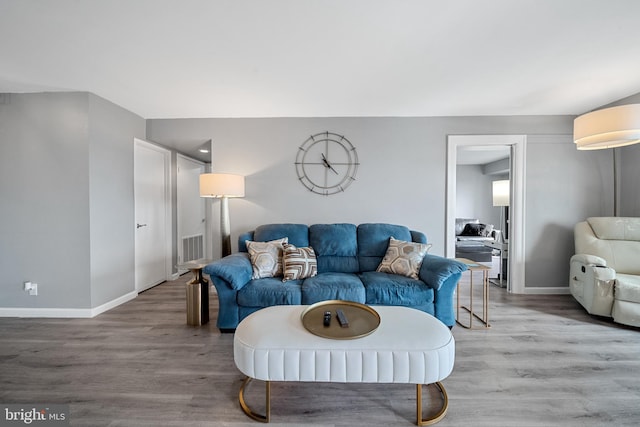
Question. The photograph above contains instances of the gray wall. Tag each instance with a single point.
(66, 181)
(474, 194)
(66, 184)
(629, 180)
(563, 186)
(402, 176)
(628, 171)
(112, 240)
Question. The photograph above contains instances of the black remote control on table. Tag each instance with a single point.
(342, 318)
(326, 320)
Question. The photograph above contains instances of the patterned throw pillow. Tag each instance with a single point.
(266, 257)
(403, 258)
(299, 263)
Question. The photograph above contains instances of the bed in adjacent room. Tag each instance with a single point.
(470, 235)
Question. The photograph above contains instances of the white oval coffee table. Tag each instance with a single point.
(409, 346)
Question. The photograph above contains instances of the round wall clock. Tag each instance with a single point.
(327, 163)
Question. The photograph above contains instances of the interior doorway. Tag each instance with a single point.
(191, 218)
(517, 145)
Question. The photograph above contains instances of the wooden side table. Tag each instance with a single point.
(197, 292)
(474, 266)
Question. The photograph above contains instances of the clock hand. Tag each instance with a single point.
(328, 165)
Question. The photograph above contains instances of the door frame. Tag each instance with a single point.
(167, 207)
(179, 207)
(516, 259)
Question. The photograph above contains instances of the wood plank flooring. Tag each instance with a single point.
(544, 362)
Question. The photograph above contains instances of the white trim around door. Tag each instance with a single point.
(517, 143)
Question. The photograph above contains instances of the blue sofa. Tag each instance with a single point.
(347, 258)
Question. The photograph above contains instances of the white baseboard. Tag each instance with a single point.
(65, 312)
(113, 303)
(560, 290)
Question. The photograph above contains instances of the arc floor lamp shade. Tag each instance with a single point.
(607, 128)
(222, 186)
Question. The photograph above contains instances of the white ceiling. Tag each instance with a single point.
(319, 58)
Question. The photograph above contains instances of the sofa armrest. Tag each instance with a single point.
(591, 283)
(587, 259)
(435, 270)
(234, 269)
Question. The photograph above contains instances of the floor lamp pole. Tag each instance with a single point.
(225, 228)
(615, 184)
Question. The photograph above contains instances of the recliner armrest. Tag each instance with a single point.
(592, 283)
(587, 259)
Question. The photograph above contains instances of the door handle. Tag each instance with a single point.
(140, 225)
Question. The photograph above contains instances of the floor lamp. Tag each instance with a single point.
(222, 186)
(608, 128)
(500, 193)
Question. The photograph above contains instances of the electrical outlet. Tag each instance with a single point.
(30, 287)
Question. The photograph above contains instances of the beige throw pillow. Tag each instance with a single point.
(299, 263)
(266, 257)
(403, 258)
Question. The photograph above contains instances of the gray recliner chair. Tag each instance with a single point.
(605, 272)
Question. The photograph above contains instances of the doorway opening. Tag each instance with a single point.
(515, 145)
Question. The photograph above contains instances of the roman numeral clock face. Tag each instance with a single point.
(327, 163)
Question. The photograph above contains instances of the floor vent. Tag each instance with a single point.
(192, 247)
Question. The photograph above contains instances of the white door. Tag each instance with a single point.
(152, 203)
(190, 210)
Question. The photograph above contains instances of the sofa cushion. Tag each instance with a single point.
(266, 258)
(627, 288)
(615, 228)
(462, 222)
(330, 286)
(336, 247)
(270, 291)
(403, 258)
(298, 263)
(373, 240)
(393, 289)
(298, 234)
(613, 238)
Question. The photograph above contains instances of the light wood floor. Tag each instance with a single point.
(544, 362)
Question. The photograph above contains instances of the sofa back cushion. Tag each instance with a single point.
(616, 239)
(298, 234)
(462, 222)
(373, 240)
(336, 247)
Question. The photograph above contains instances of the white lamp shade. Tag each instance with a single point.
(607, 128)
(221, 185)
(501, 193)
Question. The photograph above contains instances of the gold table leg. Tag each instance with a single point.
(245, 408)
(420, 421)
(441, 413)
(485, 303)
